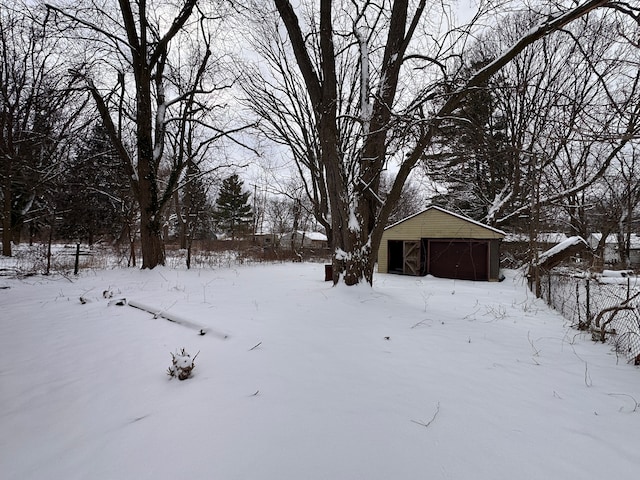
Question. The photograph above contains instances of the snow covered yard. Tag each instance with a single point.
(415, 378)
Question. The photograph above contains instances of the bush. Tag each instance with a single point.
(181, 365)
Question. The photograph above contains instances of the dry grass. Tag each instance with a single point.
(32, 259)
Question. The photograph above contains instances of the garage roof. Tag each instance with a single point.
(442, 210)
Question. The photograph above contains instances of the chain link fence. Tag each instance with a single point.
(608, 307)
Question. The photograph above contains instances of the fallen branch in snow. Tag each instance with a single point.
(420, 323)
(536, 352)
(176, 319)
(636, 405)
(432, 418)
(587, 378)
(255, 346)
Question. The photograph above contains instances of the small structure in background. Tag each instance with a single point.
(441, 243)
(517, 248)
(563, 250)
(266, 240)
(553, 257)
(302, 239)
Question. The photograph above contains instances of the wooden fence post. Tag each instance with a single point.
(49, 249)
(628, 287)
(588, 288)
(76, 266)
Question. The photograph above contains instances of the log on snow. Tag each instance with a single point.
(172, 317)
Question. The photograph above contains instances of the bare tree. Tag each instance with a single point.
(278, 213)
(286, 116)
(411, 201)
(590, 120)
(374, 74)
(193, 142)
(613, 203)
(39, 113)
(548, 126)
(131, 58)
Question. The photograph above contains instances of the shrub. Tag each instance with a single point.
(181, 365)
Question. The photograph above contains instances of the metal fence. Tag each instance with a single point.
(608, 307)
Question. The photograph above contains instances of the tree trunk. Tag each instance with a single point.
(189, 255)
(132, 249)
(153, 253)
(6, 212)
(353, 263)
(150, 210)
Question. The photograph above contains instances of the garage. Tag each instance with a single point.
(443, 244)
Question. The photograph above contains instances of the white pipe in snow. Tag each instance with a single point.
(172, 317)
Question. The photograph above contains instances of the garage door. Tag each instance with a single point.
(464, 260)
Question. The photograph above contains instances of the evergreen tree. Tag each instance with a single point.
(93, 199)
(475, 159)
(194, 210)
(233, 212)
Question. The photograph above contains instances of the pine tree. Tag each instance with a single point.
(233, 212)
(475, 159)
(93, 199)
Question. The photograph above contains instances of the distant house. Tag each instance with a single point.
(302, 239)
(609, 253)
(266, 240)
(634, 249)
(545, 238)
(441, 243)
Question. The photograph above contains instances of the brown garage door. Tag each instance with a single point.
(461, 259)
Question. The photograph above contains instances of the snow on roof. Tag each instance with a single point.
(317, 236)
(562, 246)
(461, 217)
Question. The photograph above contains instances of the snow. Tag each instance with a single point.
(617, 273)
(160, 120)
(417, 377)
(354, 225)
(321, 237)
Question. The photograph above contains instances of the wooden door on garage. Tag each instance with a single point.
(461, 259)
(404, 257)
(411, 264)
